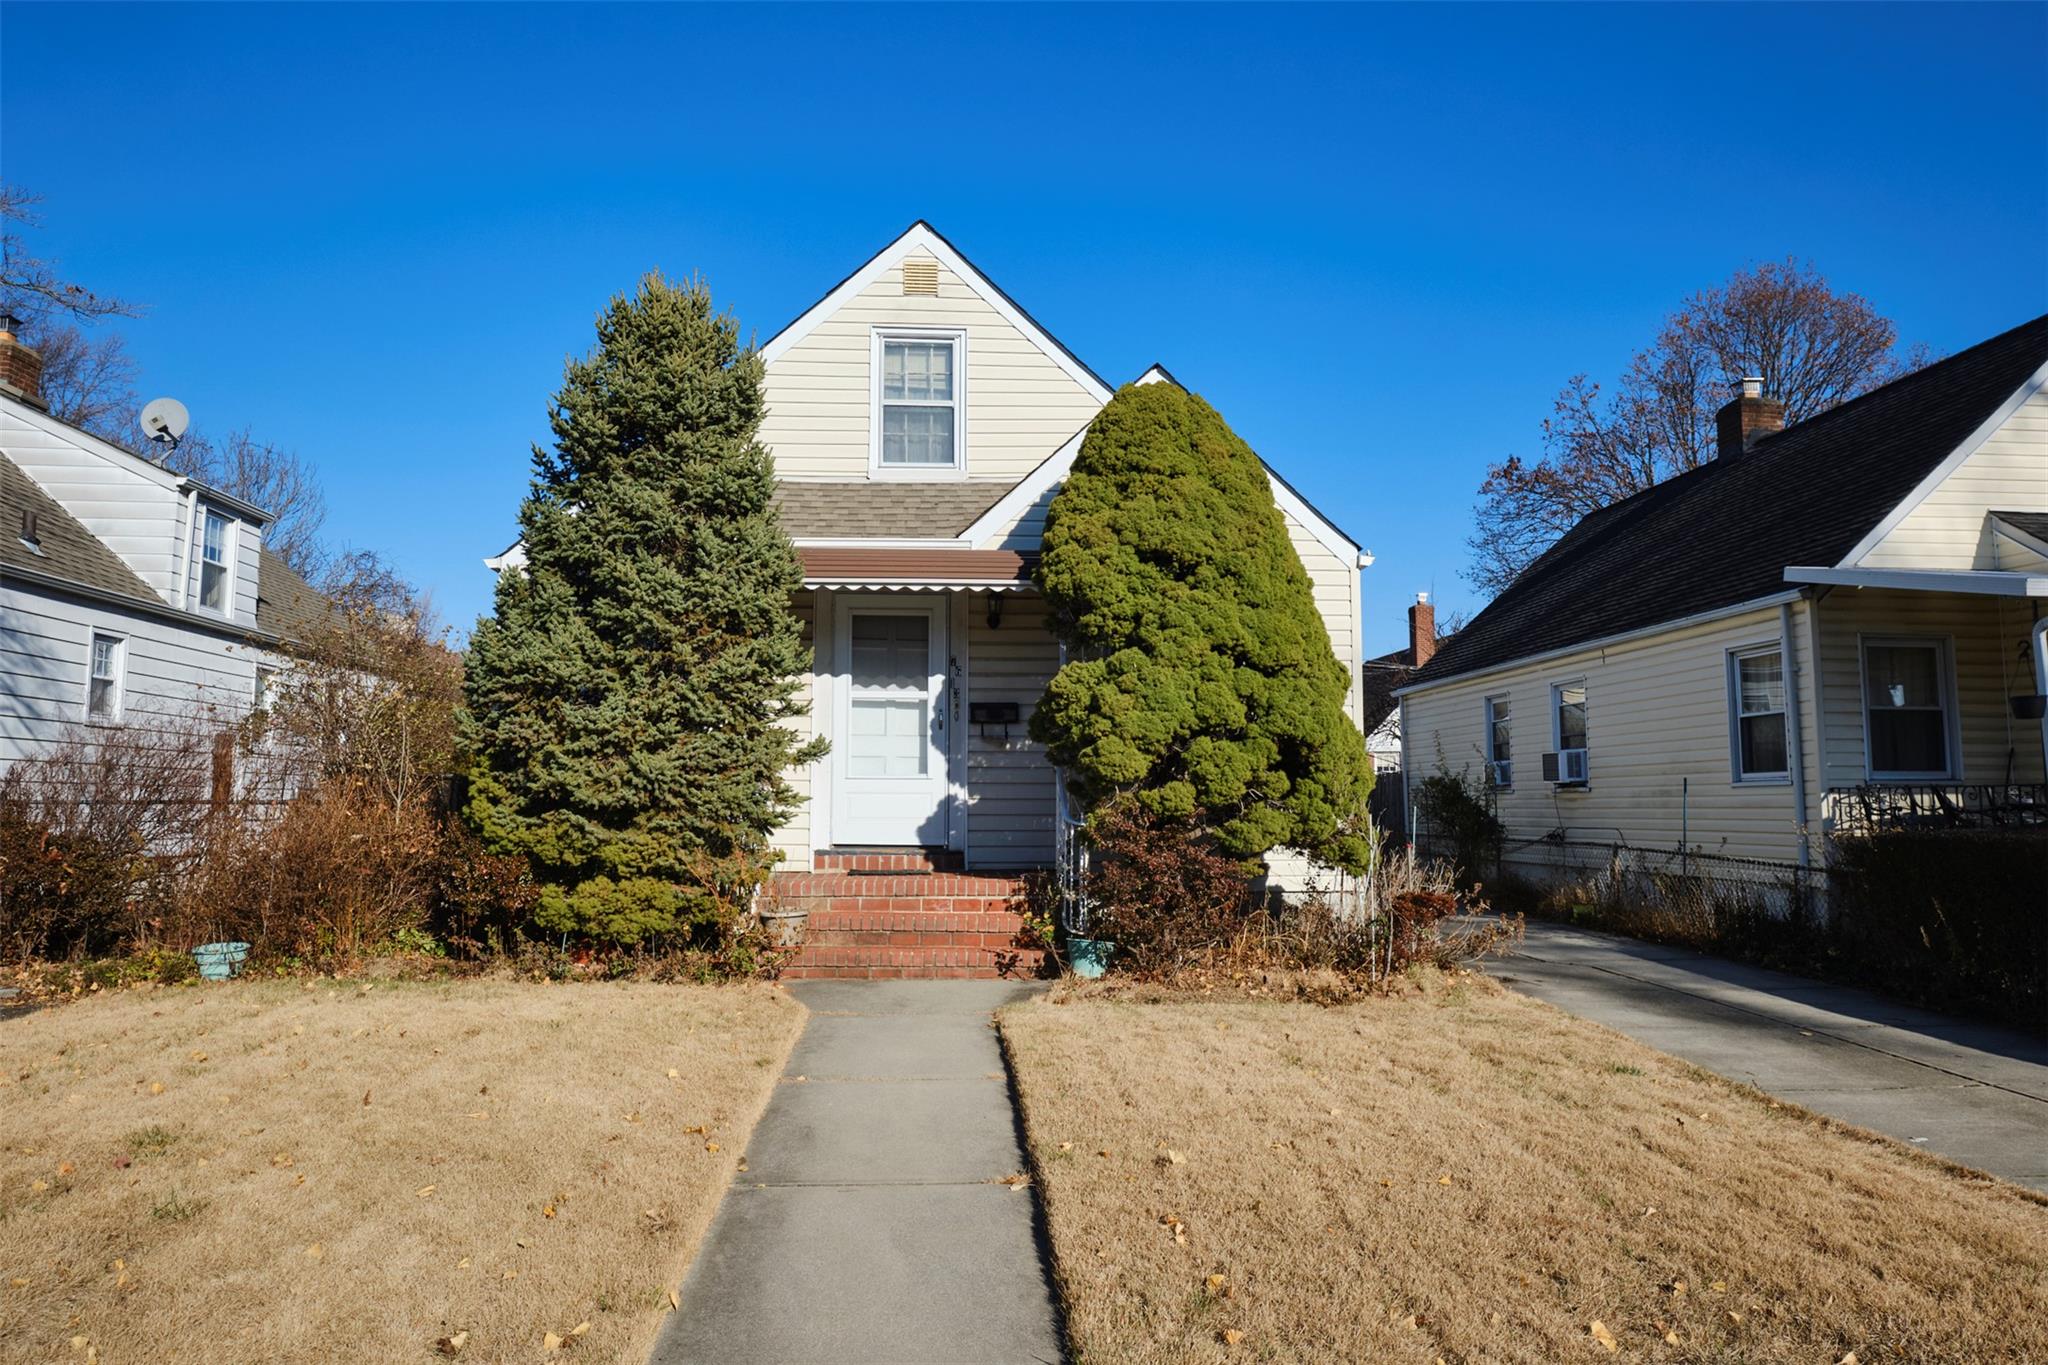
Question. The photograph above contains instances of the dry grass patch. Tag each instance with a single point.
(1463, 1174)
(330, 1171)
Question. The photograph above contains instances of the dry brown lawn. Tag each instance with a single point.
(290, 1172)
(1465, 1174)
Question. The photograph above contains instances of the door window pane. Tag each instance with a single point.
(892, 652)
(887, 738)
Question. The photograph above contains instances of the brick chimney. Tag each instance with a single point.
(1421, 631)
(21, 368)
(1744, 421)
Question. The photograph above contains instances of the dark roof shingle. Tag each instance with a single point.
(1726, 532)
(287, 606)
(885, 509)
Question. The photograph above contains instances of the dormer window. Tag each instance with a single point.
(919, 413)
(216, 551)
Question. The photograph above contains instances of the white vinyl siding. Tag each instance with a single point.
(169, 674)
(1010, 795)
(1657, 725)
(131, 505)
(1949, 528)
(1019, 405)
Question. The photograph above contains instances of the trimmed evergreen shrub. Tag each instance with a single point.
(626, 704)
(1200, 676)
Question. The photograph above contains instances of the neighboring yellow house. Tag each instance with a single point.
(1828, 626)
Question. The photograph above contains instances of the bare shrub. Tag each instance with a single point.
(97, 834)
(1178, 910)
(337, 873)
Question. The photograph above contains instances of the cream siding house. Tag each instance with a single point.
(921, 422)
(1834, 624)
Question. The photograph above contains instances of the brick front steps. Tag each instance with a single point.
(896, 925)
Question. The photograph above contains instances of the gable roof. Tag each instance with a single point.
(897, 510)
(922, 235)
(67, 550)
(1725, 533)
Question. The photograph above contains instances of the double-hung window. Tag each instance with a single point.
(1568, 728)
(1756, 700)
(216, 552)
(1500, 753)
(1907, 708)
(918, 396)
(103, 688)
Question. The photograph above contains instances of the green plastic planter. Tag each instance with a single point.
(1089, 957)
(219, 961)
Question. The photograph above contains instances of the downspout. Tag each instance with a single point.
(1794, 738)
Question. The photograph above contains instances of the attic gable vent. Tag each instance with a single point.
(920, 275)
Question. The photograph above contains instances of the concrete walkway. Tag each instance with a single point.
(1974, 1093)
(869, 1225)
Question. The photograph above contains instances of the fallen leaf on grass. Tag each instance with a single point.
(700, 1129)
(156, 1087)
(462, 1264)
(711, 1147)
(674, 1074)
(1671, 1339)
(579, 1329)
(477, 1114)
(1218, 1285)
(675, 1301)
(448, 1346)
(1604, 1337)
(315, 1252)
(1443, 1180)
(550, 1342)
(1231, 1336)
(547, 1211)
(424, 1191)
(1171, 1158)
(198, 1056)
(1848, 1359)
(1734, 1317)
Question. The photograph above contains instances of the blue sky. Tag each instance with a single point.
(1378, 239)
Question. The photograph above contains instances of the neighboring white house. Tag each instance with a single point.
(921, 421)
(129, 595)
(1828, 625)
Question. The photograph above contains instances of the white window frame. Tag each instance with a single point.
(1736, 716)
(263, 691)
(1500, 699)
(878, 338)
(1944, 679)
(228, 549)
(1557, 729)
(119, 678)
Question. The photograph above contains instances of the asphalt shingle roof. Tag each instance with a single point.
(287, 606)
(1726, 532)
(884, 508)
(2034, 524)
(68, 550)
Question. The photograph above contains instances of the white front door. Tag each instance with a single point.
(889, 757)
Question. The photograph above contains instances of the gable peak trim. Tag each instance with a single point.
(921, 235)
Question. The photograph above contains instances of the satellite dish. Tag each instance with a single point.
(165, 419)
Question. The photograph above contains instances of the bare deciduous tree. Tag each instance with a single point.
(1813, 347)
(277, 480)
(29, 284)
(89, 381)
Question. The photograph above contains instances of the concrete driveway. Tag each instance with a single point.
(1974, 1093)
(871, 1224)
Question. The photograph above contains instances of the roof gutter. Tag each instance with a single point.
(190, 620)
(1604, 641)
